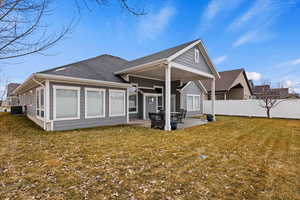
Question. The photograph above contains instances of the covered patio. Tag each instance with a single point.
(168, 72)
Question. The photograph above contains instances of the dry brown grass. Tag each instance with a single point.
(248, 158)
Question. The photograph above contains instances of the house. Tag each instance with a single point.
(109, 90)
(233, 85)
(11, 99)
(260, 90)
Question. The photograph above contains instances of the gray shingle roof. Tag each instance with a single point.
(157, 56)
(98, 68)
(104, 66)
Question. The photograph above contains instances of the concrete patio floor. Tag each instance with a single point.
(187, 123)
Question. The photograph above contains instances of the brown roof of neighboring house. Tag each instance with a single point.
(11, 87)
(226, 80)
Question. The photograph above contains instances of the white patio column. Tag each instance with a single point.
(46, 88)
(213, 97)
(168, 97)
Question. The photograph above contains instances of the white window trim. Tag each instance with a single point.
(194, 107)
(197, 55)
(162, 94)
(110, 104)
(55, 87)
(36, 106)
(86, 105)
(137, 99)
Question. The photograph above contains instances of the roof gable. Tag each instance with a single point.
(226, 80)
(197, 83)
(188, 59)
(169, 55)
(164, 54)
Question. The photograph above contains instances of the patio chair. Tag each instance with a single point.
(181, 115)
(157, 120)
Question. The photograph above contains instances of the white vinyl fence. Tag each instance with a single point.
(252, 108)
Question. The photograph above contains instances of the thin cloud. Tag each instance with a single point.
(254, 76)
(259, 19)
(220, 59)
(154, 24)
(215, 8)
(294, 62)
(259, 7)
(254, 36)
(260, 12)
(248, 37)
(290, 63)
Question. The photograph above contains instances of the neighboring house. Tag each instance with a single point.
(11, 99)
(260, 90)
(233, 85)
(109, 90)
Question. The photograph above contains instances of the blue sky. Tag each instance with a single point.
(261, 36)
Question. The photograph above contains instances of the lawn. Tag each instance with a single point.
(247, 158)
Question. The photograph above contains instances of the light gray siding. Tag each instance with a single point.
(188, 59)
(191, 89)
(144, 82)
(82, 122)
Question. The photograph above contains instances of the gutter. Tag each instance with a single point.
(82, 80)
(70, 79)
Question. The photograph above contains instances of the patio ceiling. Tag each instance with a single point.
(158, 72)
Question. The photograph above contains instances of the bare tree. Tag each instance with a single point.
(134, 10)
(23, 31)
(269, 98)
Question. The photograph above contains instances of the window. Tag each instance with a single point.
(94, 103)
(197, 56)
(193, 103)
(30, 98)
(116, 103)
(40, 110)
(133, 99)
(66, 103)
(160, 99)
